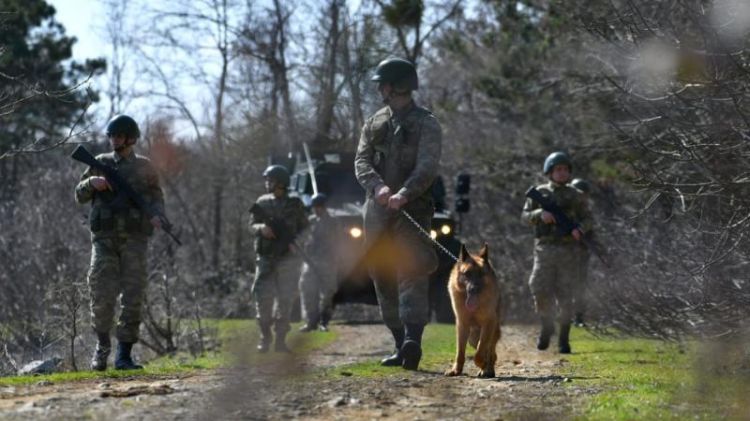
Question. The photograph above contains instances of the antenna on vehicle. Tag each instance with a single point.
(310, 168)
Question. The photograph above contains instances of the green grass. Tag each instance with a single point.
(649, 379)
(237, 338)
(629, 378)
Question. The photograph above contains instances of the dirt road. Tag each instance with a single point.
(527, 387)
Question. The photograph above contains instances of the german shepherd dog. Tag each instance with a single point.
(475, 295)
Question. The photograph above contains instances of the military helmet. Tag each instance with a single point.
(557, 158)
(581, 185)
(123, 124)
(397, 71)
(319, 199)
(277, 173)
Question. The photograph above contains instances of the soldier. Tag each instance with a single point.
(555, 271)
(319, 281)
(579, 296)
(396, 163)
(119, 236)
(277, 266)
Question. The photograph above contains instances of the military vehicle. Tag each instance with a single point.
(333, 174)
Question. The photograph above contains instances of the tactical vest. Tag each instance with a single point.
(117, 215)
(396, 143)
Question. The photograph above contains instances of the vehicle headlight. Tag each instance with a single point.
(433, 234)
(445, 229)
(355, 232)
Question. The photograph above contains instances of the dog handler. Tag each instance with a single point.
(396, 163)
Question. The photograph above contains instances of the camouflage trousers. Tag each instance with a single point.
(317, 286)
(275, 290)
(579, 295)
(554, 279)
(400, 261)
(118, 268)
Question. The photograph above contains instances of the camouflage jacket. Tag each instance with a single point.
(288, 211)
(322, 236)
(108, 218)
(569, 200)
(400, 150)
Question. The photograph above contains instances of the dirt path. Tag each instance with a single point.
(526, 388)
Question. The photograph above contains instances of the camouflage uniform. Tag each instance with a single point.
(277, 270)
(318, 284)
(555, 273)
(402, 151)
(119, 233)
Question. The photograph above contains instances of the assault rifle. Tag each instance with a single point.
(564, 224)
(123, 190)
(284, 236)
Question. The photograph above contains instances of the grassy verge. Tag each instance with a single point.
(649, 379)
(235, 336)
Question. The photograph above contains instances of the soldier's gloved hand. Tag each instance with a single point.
(99, 183)
(267, 232)
(577, 234)
(382, 194)
(156, 222)
(396, 201)
(548, 218)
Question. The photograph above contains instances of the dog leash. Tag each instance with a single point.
(427, 234)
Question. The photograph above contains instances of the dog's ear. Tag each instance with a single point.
(484, 252)
(463, 254)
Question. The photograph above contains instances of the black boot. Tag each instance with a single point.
(280, 345)
(101, 353)
(548, 328)
(308, 327)
(395, 360)
(578, 319)
(563, 341)
(123, 360)
(264, 343)
(325, 317)
(411, 350)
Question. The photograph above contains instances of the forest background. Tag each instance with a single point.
(649, 98)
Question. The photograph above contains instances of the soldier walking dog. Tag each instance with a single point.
(477, 303)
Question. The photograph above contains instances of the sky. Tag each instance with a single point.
(80, 19)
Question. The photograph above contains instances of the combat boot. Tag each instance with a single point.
(548, 328)
(101, 353)
(564, 339)
(309, 327)
(265, 339)
(411, 350)
(324, 319)
(578, 320)
(280, 345)
(123, 360)
(395, 359)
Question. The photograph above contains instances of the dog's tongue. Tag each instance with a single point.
(472, 303)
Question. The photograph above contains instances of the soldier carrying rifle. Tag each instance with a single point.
(560, 217)
(120, 226)
(277, 219)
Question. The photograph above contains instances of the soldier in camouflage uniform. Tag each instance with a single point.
(579, 296)
(318, 282)
(396, 163)
(556, 254)
(277, 265)
(119, 234)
